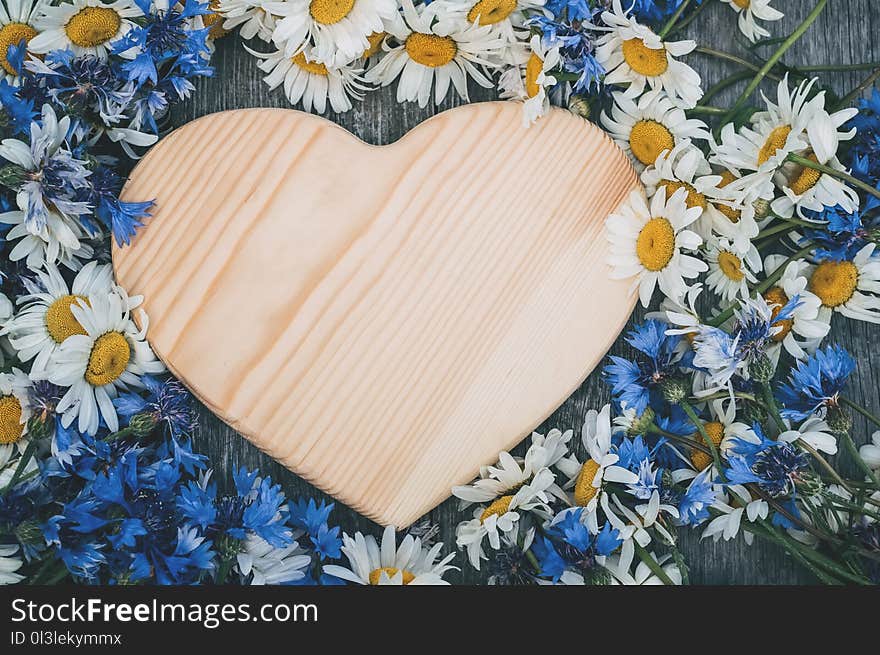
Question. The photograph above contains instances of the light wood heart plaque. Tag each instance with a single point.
(381, 320)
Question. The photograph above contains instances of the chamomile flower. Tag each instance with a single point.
(311, 82)
(338, 31)
(60, 240)
(633, 55)
(390, 564)
(15, 407)
(249, 16)
(619, 567)
(870, 452)
(87, 27)
(813, 431)
(730, 269)
(586, 479)
(647, 244)
(262, 563)
(45, 319)
(733, 219)
(646, 129)
(110, 356)
(531, 81)
(848, 286)
(735, 506)
(804, 330)
(17, 25)
(750, 12)
(429, 53)
(722, 427)
(685, 166)
(10, 562)
(507, 17)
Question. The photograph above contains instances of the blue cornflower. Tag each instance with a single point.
(569, 545)
(167, 401)
(654, 11)
(120, 217)
(570, 9)
(816, 382)
(19, 111)
(577, 49)
(633, 381)
(647, 483)
(631, 453)
(693, 508)
(775, 466)
(312, 519)
(842, 236)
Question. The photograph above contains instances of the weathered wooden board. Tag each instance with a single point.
(434, 286)
(846, 32)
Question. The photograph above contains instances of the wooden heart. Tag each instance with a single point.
(381, 320)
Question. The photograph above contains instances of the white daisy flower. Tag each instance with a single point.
(619, 566)
(803, 332)
(851, 287)
(311, 82)
(646, 129)
(337, 29)
(390, 564)
(507, 17)
(647, 244)
(730, 269)
(249, 16)
(501, 517)
(633, 55)
(733, 220)
(7, 309)
(60, 241)
(586, 479)
(750, 12)
(265, 564)
(429, 53)
(870, 452)
(87, 27)
(531, 81)
(9, 564)
(17, 25)
(735, 502)
(15, 409)
(111, 355)
(815, 432)
(45, 319)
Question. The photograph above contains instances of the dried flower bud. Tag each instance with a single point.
(579, 106)
(142, 424)
(761, 370)
(762, 207)
(674, 390)
(838, 420)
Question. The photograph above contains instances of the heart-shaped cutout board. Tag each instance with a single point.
(381, 319)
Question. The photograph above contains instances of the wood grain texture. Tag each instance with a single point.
(846, 32)
(432, 284)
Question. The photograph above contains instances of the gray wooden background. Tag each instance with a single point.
(846, 32)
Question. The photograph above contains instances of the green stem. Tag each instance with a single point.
(533, 561)
(22, 463)
(706, 110)
(739, 61)
(854, 455)
(761, 288)
(829, 68)
(223, 571)
(856, 92)
(841, 175)
(770, 401)
(717, 88)
(771, 62)
(825, 465)
(683, 440)
(652, 564)
(692, 415)
(848, 506)
(785, 225)
(861, 410)
(690, 19)
(674, 19)
(725, 395)
(119, 434)
(822, 576)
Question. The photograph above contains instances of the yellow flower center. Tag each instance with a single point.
(215, 21)
(375, 40)
(655, 244)
(648, 139)
(715, 431)
(10, 420)
(742, 4)
(694, 197)
(431, 50)
(498, 507)
(390, 571)
(733, 215)
(646, 61)
(774, 142)
(13, 34)
(776, 296)
(584, 491)
(328, 12)
(534, 68)
(92, 26)
(730, 265)
(108, 359)
(313, 67)
(834, 282)
(60, 322)
(491, 11)
(806, 178)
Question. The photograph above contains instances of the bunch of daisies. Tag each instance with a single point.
(732, 414)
